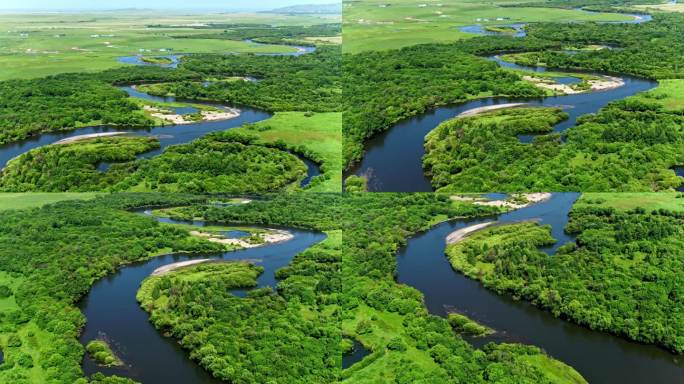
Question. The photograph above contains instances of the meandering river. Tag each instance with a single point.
(393, 159)
(175, 58)
(112, 312)
(599, 357)
(167, 135)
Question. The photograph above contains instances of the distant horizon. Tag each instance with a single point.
(180, 5)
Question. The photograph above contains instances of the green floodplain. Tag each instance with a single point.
(343, 287)
(336, 312)
(220, 63)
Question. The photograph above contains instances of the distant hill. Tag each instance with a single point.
(335, 8)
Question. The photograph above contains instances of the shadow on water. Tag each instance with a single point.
(111, 309)
(599, 357)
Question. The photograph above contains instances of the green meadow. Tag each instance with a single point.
(319, 132)
(669, 93)
(391, 24)
(36, 45)
(672, 201)
(31, 200)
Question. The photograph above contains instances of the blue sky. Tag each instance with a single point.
(160, 4)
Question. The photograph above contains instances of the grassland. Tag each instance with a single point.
(672, 201)
(382, 362)
(23, 341)
(320, 133)
(31, 200)
(667, 7)
(41, 44)
(386, 326)
(391, 24)
(669, 94)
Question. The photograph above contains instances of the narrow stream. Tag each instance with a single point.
(176, 57)
(599, 357)
(138, 60)
(112, 311)
(392, 161)
(357, 354)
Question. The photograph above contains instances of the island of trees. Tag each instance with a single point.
(219, 162)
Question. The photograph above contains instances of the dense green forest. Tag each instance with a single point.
(621, 275)
(651, 49)
(288, 336)
(73, 167)
(226, 161)
(308, 82)
(381, 88)
(628, 146)
(407, 344)
(30, 107)
(297, 325)
(62, 102)
(50, 257)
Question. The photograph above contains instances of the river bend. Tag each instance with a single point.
(392, 161)
(112, 311)
(599, 357)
